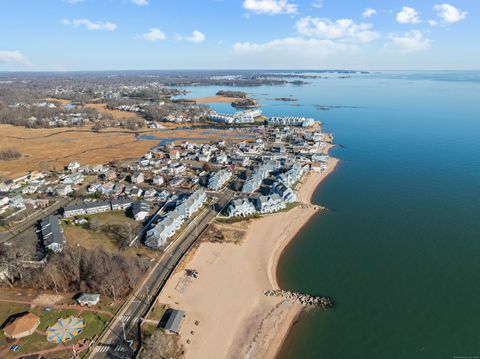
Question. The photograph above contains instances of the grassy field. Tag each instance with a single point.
(53, 148)
(79, 236)
(95, 322)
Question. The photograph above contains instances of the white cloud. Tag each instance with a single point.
(408, 15)
(196, 37)
(369, 12)
(13, 58)
(449, 13)
(317, 4)
(154, 34)
(90, 25)
(342, 29)
(290, 52)
(404, 44)
(270, 7)
(432, 23)
(140, 2)
(73, 2)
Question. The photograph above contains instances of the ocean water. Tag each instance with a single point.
(399, 248)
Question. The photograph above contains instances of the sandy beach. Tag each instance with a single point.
(216, 99)
(235, 319)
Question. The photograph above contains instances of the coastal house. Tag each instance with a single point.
(63, 190)
(174, 155)
(52, 234)
(285, 192)
(137, 178)
(158, 180)
(318, 166)
(269, 204)
(74, 178)
(252, 184)
(169, 224)
(240, 207)
(157, 236)
(121, 204)
(140, 210)
(291, 121)
(73, 166)
(86, 208)
(291, 176)
(110, 175)
(218, 179)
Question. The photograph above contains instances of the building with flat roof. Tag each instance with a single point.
(172, 320)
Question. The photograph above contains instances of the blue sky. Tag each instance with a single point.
(68, 35)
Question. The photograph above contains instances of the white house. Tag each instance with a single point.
(269, 204)
(140, 210)
(158, 180)
(137, 178)
(291, 121)
(218, 179)
(240, 207)
(73, 166)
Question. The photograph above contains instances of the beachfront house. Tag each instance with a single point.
(285, 192)
(240, 207)
(291, 121)
(269, 204)
(293, 175)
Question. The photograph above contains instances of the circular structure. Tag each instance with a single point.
(65, 329)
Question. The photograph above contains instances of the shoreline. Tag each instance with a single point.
(236, 319)
(308, 187)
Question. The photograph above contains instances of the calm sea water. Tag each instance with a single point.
(399, 249)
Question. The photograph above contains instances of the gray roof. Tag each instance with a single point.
(172, 320)
(51, 231)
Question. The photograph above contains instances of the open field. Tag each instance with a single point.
(76, 235)
(116, 114)
(216, 99)
(95, 321)
(56, 147)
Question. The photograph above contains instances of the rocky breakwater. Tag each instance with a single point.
(303, 299)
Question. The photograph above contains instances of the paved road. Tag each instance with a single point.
(35, 217)
(112, 344)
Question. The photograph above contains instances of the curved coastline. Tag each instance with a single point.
(305, 194)
(236, 319)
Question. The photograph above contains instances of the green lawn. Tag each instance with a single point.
(157, 312)
(48, 319)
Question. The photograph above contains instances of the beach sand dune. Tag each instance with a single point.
(235, 319)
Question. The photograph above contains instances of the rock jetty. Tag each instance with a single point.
(303, 299)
